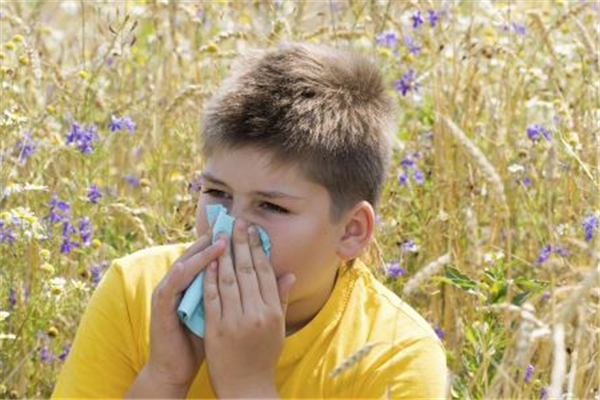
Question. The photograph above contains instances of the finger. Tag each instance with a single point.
(264, 271)
(212, 300)
(284, 286)
(227, 281)
(244, 268)
(183, 273)
(200, 244)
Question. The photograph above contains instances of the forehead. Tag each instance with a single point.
(256, 170)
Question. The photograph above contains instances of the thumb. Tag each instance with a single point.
(284, 285)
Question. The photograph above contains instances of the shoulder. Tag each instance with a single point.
(150, 263)
(392, 314)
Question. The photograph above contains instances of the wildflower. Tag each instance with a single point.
(52, 331)
(387, 38)
(407, 162)
(96, 243)
(543, 393)
(432, 17)
(62, 206)
(132, 180)
(3, 315)
(44, 354)
(195, 185)
(6, 234)
(45, 254)
(26, 147)
(403, 178)
(535, 130)
(85, 230)
(79, 285)
(519, 29)
(47, 268)
(407, 83)
(528, 373)
(411, 44)
(117, 124)
(547, 250)
(409, 246)
(83, 138)
(590, 224)
(544, 254)
(526, 181)
(394, 269)
(418, 175)
(94, 195)
(12, 297)
(66, 348)
(439, 331)
(417, 20)
(67, 243)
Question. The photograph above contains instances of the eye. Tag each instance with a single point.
(276, 208)
(214, 193)
(269, 206)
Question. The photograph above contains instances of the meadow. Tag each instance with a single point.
(488, 224)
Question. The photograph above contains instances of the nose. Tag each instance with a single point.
(238, 212)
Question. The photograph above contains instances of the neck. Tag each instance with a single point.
(302, 311)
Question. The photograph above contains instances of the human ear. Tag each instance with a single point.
(358, 227)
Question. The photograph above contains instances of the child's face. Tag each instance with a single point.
(303, 239)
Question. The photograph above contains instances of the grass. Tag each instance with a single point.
(469, 230)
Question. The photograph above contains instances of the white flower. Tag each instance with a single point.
(3, 315)
(10, 336)
(515, 168)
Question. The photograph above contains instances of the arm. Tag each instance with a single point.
(148, 386)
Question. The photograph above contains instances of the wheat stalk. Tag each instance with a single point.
(559, 366)
(353, 358)
(134, 220)
(429, 270)
(484, 164)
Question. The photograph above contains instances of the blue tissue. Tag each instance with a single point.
(191, 306)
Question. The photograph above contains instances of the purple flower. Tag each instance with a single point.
(394, 269)
(94, 195)
(543, 393)
(590, 224)
(44, 354)
(535, 130)
(66, 348)
(528, 373)
(407, 83)
(83, 138)
(6, 234)
(411, 44)
(26, 147)
(195, 184)
(520, 29)
(408, 246)
(432, 17)
(117, 124)
(12, 297)
(58, 209)
(403, 178)
(526, 181)
(416, 19)
(387, 38)
(439, 331)
(67, 243)
(418, 175)
(132, 180)
(544, 254)
(407, 162)
(85, 229)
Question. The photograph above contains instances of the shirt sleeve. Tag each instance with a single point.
(101, 362)
(417, 371)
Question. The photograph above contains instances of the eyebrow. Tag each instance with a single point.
(268, 194)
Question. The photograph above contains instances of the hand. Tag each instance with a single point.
(245, 318)
(175, 352)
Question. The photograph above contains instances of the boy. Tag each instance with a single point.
(296, 142)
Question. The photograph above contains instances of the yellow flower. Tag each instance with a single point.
(144, 182)
(176, 176)
(96, 243)
(83, 74)
(49, 269)
(45, 254)
(56, 290)
(10, 45)
(17, 38)
(2, 55)
(4, 215)
(24, 60)
(212, 48)
(50, 109)
(52, 332)
(385, 52)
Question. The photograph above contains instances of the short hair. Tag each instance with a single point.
(314, 106)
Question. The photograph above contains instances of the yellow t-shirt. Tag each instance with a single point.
(112, 341)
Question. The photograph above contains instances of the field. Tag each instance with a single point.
(488, 224)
